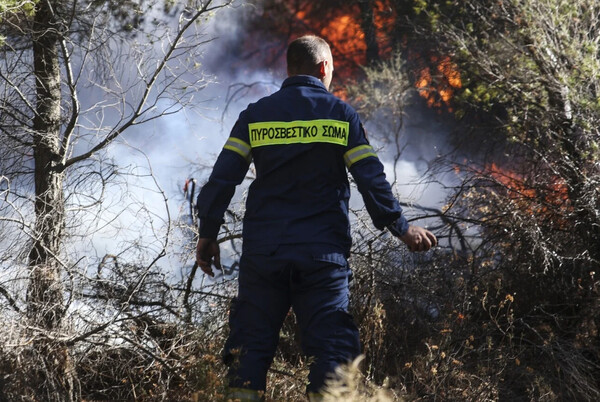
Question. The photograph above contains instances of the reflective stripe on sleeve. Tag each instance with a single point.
(239, 146)
(358, 153)
(298, 132)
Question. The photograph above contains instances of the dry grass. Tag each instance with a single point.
(352, 386)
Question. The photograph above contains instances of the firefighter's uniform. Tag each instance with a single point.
(296, 234)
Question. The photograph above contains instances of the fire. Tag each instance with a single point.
(344, 32)
(549, 200)
(348, 41)
(447, 79)
(436, 78)
(384, 19)
(450, 71)
(513, 182)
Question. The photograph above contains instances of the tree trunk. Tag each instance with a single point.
(50, 373)
(368, 27)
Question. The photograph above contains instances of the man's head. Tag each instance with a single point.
(310, 55)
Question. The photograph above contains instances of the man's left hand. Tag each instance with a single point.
(419, 239)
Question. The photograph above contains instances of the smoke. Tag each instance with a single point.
(158, 156)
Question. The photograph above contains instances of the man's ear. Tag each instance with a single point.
(322, 66)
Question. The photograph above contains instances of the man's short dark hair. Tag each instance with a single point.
(305, 53)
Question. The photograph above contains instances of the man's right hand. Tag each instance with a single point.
(419, 239)
(206, 250)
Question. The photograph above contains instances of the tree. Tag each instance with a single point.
(141, 60)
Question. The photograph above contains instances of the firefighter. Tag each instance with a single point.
(296, 236)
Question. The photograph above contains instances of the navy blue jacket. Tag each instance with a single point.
(301, 139)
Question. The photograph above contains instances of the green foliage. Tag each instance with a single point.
(15, 9)
(14, 6)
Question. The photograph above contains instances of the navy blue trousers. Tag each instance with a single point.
(315, 285)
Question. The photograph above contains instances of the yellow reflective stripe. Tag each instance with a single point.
(358, 153)
(245, 394)
(298, 132)
(239, 146)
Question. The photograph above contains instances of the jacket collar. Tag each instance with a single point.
(303, 80)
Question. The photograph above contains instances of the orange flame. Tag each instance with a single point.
(344, 32)
(447, 79)
(514, 182)
(436, 78)
(384, 18)
(549, 201)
